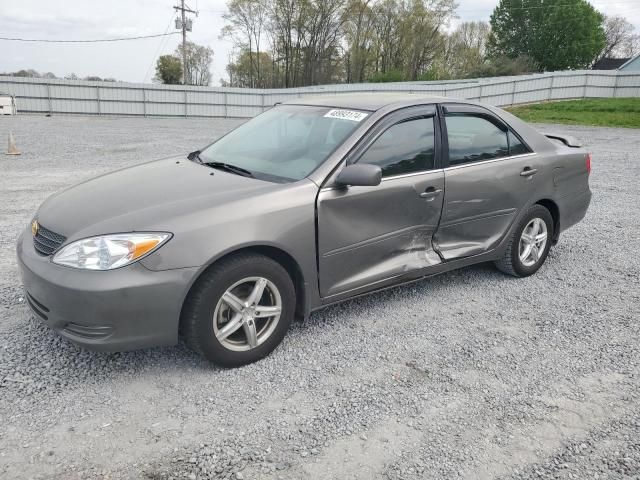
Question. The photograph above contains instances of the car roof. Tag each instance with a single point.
(371, 101)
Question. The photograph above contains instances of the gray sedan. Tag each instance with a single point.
(313, 202)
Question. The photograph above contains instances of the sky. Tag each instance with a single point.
(133, 61)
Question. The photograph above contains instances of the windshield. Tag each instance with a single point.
(285, 143)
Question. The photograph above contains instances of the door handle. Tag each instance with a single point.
(528, 172)
(430, 192)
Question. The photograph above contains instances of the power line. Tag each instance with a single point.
(162, 41)
(44, 40)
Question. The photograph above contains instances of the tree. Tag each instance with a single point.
(621, 39)
(242, 71)
(31, 73)
(199, 60)
(408, 36)
(464, 51)
(423, 38)
(503, 66)
(359, 35)
(305, 40)
(555, 34)
(246, 21)
(310, 42)
(169, 70)
(386, 77)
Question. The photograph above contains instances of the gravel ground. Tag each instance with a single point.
(470, 374)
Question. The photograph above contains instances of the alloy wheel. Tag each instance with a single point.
(533, 242)
(247, 314)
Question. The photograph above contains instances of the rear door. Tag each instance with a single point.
(490, 175)
(369, 235)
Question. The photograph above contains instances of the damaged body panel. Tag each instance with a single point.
(481, 203)
(370, 234)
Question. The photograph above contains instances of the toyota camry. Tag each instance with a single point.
(312, 202)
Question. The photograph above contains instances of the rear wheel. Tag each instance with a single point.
(240, 310)
(529, 245)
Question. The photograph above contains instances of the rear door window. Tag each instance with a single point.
(473, 139)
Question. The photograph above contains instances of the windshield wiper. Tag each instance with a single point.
(229, 168)
(195, 156)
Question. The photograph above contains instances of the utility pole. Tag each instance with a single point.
(186, 25)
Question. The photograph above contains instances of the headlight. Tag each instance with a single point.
(107, 252)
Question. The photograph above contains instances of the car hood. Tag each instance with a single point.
(145, 197)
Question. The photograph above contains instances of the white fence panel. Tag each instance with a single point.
(68, 105)
(34, 104)
(121, 108)
(206, 111)
(121, 94)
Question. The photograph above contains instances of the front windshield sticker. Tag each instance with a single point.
(347, 115)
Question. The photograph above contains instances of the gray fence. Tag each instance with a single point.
(115, 98)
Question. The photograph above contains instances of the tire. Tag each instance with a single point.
(512, 262)
(226, 331)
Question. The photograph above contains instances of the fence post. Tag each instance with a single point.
(144, 102)
(98, 98)
(615, 85)
(49, 98)
(550, 97)
(226, 105)
(513, 93)
(586, 82)
(480, 93)
(185, 103)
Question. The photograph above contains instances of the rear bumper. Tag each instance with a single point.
(573, 209)
(124, 309)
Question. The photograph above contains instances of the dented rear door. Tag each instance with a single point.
(369, 235)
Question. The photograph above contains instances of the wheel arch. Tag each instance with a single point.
(554, 210)
(286, 260)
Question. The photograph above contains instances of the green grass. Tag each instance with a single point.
(601, 112)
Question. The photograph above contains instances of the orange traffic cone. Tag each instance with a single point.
(12, 150)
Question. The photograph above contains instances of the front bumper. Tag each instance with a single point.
(118, 310)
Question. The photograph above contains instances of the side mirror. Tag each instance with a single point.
(360, 175)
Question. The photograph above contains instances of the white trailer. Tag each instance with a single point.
(7, 104)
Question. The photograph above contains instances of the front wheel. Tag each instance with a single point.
(529, 245)
(239, 311)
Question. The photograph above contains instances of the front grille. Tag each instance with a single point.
(46, 242)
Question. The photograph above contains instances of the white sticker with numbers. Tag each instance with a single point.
(347, 115)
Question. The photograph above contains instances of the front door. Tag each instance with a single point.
(490, 175)
(371, 235)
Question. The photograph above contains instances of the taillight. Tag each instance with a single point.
(588, 164)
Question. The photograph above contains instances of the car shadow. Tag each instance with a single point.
(367, 304)
(38, 354)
